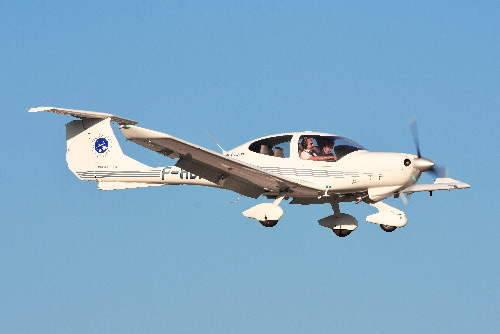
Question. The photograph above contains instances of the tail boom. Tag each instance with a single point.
(159, 176)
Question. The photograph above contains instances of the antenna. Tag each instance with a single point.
(216, 143)
(234, 202)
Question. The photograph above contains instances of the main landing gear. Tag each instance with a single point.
(267, 214)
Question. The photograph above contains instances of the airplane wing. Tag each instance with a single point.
(227, 172)
(439, 184)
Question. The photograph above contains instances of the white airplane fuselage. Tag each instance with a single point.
(356, 172)
(335, 176)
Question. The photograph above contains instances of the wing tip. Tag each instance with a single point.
(37, 109)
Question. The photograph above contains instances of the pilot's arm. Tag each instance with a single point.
(321, 158)
(308, 156)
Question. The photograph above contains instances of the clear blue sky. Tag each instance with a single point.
(180, 259)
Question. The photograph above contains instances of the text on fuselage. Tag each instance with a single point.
(183, 175)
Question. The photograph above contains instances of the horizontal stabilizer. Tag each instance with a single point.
(439, 184)
(84, 114)
(125, 185)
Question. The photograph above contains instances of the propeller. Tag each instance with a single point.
(421, 163)
(414, 131)
(439, 171)
(404, 198)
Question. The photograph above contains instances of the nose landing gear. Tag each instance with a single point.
(341, 224)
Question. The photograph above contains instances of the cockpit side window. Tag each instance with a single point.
(274, 146)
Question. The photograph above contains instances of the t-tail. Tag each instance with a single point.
(94, 154)
(93, 150)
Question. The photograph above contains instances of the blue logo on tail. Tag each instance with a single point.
(101, 145)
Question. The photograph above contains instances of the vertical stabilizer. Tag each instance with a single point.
(93, 150)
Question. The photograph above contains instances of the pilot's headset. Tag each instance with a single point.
(303, 144)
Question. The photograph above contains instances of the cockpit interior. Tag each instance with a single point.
(280, 146)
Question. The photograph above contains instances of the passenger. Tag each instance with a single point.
(308, 151)
(326, 151)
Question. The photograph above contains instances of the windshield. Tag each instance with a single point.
(335, 146)
(344, 146)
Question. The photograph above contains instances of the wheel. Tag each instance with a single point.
(268, 223)
(341, 232)
(388, 228)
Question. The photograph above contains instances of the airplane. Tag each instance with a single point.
(279, 167)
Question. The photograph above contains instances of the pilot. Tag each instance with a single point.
(308, 152)
(326, 151)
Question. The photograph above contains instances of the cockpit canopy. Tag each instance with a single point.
(336, 145)
(292, 145)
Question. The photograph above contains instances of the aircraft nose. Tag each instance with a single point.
(423, 164)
